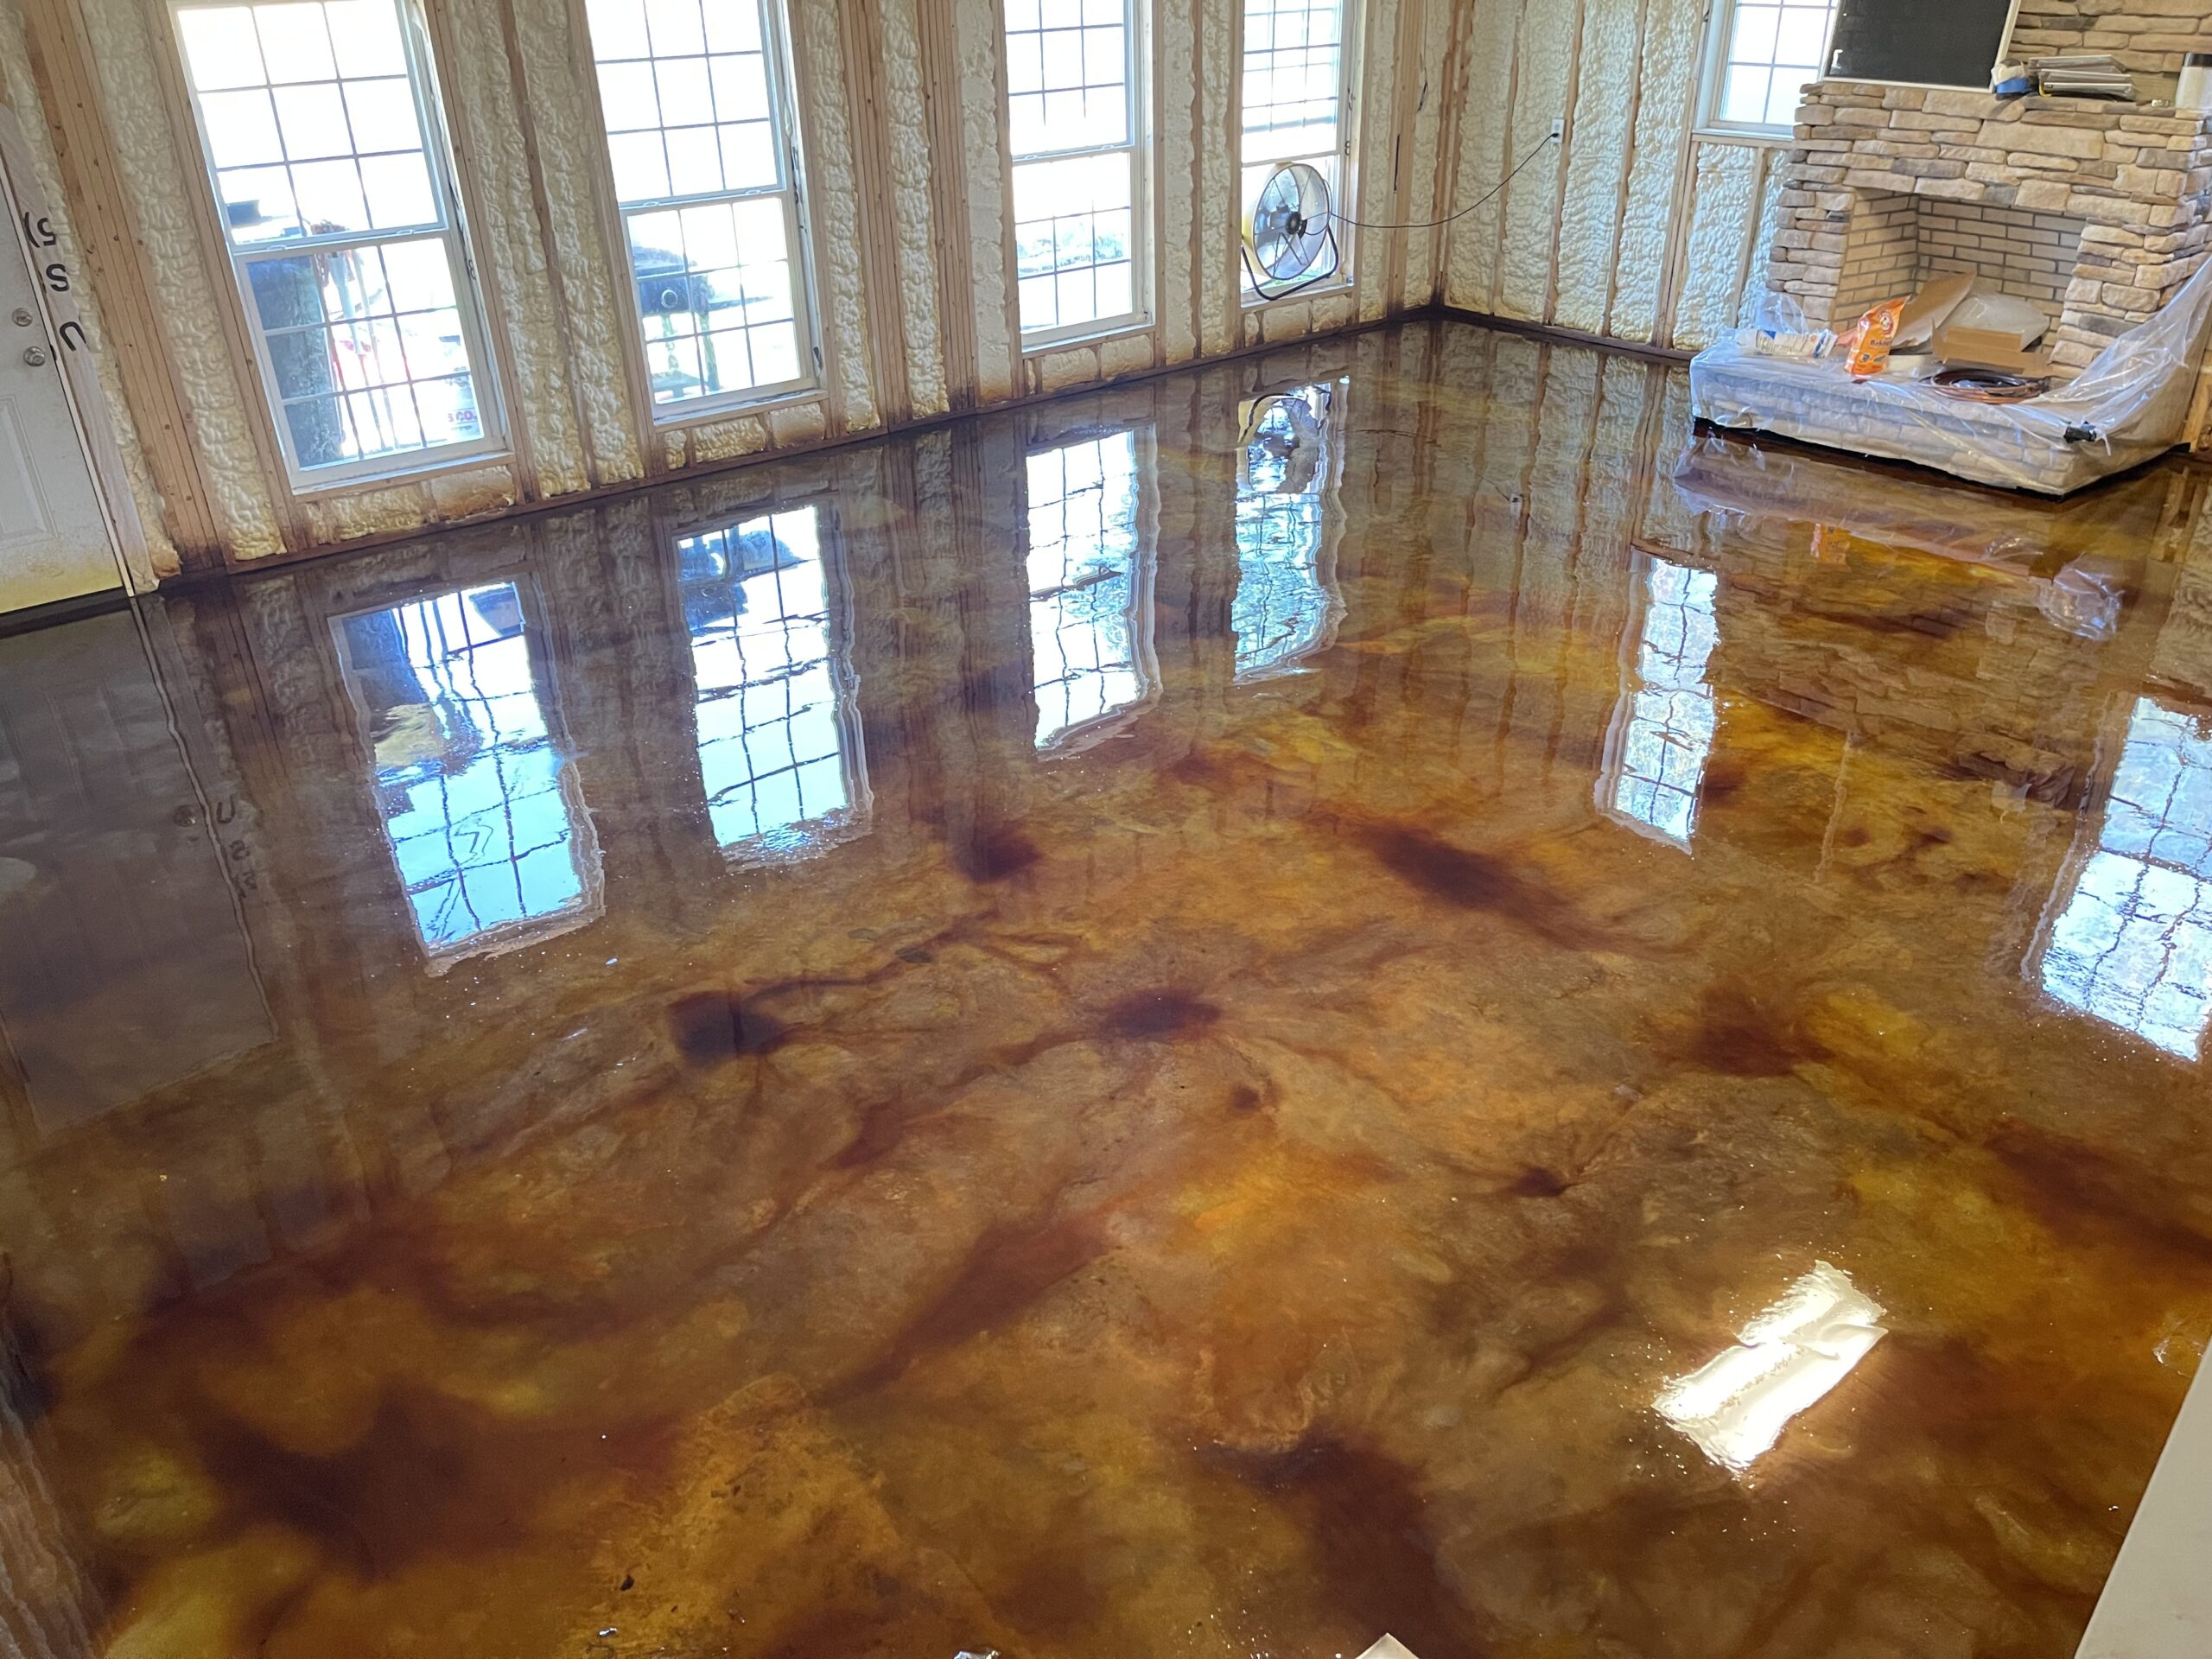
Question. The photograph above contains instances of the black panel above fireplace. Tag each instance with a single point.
(1922, 42)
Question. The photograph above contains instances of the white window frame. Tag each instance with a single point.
(790, 187)
(1721, 28)
(1136, 39)
(1351, 32)
(450, 227)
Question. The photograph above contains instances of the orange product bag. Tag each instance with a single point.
(1876, 331)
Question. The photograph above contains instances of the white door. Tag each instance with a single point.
(53, 537)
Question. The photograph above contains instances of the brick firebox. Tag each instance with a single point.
(2117, 196)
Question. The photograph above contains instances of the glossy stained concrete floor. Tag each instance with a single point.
(1146, 1028)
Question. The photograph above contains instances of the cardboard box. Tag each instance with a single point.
(1925, 311)
(1991, 348)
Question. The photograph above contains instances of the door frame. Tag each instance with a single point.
(52, 278)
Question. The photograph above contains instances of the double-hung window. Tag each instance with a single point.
(1297, 94)
(696, 97)
(1761, 53)
(1075, 124)
(319, 120)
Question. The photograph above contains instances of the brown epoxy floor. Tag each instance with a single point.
(1064, 1038)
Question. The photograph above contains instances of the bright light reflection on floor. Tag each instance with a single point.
(1783, 1362)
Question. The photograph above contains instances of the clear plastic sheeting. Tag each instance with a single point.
(2045, 550)
(1727, 473)
(2040, 549)
(2129, 405)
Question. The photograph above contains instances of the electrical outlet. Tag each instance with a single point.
(1559, 127)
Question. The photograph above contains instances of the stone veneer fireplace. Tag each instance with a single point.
(2093, 209)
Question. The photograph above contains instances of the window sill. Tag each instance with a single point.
(1329, 289)
(1755, 137)
(312, 488)
(766, 402)
(1119, 330)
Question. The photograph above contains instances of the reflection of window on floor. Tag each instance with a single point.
(1089, 614)
(1663, 735)
(780, 746)
(479, 802)
(1285, 606)
(2134, 945)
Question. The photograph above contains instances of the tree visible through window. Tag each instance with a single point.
(1764, 52)
(320, 133)
(1073, 125)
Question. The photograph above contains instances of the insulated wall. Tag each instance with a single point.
(900, 107)
(1633, 226)
(1638, 226)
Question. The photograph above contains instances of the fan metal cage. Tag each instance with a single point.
(1290, 236)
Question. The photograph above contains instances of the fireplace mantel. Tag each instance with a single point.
(2136, 181)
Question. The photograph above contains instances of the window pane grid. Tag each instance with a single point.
(367, 351)
(310, 118)
(1085, 596)
(773, 700)
(333, 205)
(694, 138)
(2133, 946)
(1772, 49)
(1071, 125)
(1294, 77)
(477, 801)
(1068, 81)
(1671, 716)
(714, 298)
(1073, 225)
(1294, 94)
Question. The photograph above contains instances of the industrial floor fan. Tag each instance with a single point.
(1290, 236)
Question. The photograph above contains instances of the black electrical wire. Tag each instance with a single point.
(1433, 223)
